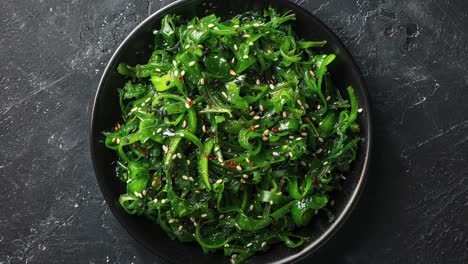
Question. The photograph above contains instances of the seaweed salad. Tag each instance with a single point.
(233, 135)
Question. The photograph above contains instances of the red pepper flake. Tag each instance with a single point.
(210, 157)
(275, 130)
(252, 128)
(232, 165)
(143, 150)
(212, 134)
(181, 79)
(190, 103)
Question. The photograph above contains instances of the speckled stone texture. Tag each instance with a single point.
(413, 55)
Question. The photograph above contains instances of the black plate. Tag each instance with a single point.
(106, 114)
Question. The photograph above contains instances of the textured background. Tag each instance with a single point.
(413, 55)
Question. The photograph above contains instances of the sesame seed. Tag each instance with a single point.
(312, 73)
(247, 36)
(303, 163)
(232, 72)
(271, 202)
(155, 200)
(299, 102)
(189, 26)
(262, 108)
(306, 105)
(298, 138)
(117, 141)
(202, 81)
(191, 179)
(290, 154)
(343, 177)
(235, 47)
(134, 109)
(275, 154)
(197, 192)
(211, 25)
(316, 211)
(200, 46)
(145, 192)
(269, 51)
(252, 113)
(266, 132)
(157, 69)
(226, 245)
(249, 244)
(304, 134)
(279, 193)
(245, 57)
(238, 168)
(179, 155)
(182, 73)
(184, 124)
(187, 46)
(291, 137)
(224, 94)
(191, 63)
(185, 177)
(147, 100)
(259, 216)
(325, 163)
(233, 60)
(256, 24)
(163, 201)
(155, 32)
(272, 86)
(192, 219)
(318, 107)
(203, 128)
(195, 224)
(113, 140)
(320, 140)
(318, 151)
(247, 159)
(320, 123)
(172, 220)
(360, 110)
(256, 117)
(153, 183)
(165, 148)
(264, 138)
(236, 26)
(219, 181)
(234, 256)
(180, 228)
(264, 244)
(256, 126)
(257, 82)
(245, 176)
(285, 114)
(250, 43)
(251, 207)
(174, 156)
(204, 215)
(328, 98)
(216, 149)
(221, 216)
(137, 194)
(188, 162)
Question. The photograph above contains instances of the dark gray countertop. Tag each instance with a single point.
(413, 55)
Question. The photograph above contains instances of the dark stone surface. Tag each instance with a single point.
(413, 55)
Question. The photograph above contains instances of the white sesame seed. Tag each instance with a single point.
(219, 181)
(134, 109)
(247, 36)
(155, 32)
(343, 177)
(236, 26)
(235, 47)
(251, 207)
(174, 156)
(163, 201)
(226, 245)
(202, 81)
(306, 105)
(275, 154)
(180, 228)
(137, 194)
(256, 117)
(192, 219)
(179, 155)
(174, 63)
(232, 72)
(245, 57)
(318, 151)
(250, 43)
(320, 123)
(256, 24)
(117, 140)
(211, 25)
(257, 82)
(299, 102)
(259, 216)
(249, 244)
(187, 46)
(113, 140)
(184, 124)
(318, 107)
(328, 98)
(182, 73)
(285, 114)
(290, 154)
(188, 162)
(269, 51)
(264, 244)
(204, 215)
(279, 193)
(303, 163)
(272, 86)
(172, 220)
(191, 179)
(234, 256)
(238, 168)
(221, 216)
(165, 148)
(157, 69)
(252, 113)
(195, 224)
(145, 192)
(185, 177)
(245, 176)
(155, 200)
(224, 94)
(191, 63)
(320, 140)
(298, 138)
(325, 163)
(312, 73)
(266, 132)
(271, 202)
(147, 100)
(189, 26)
(304, 134)
(200, 46)
(360, 110)
(256, 126)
